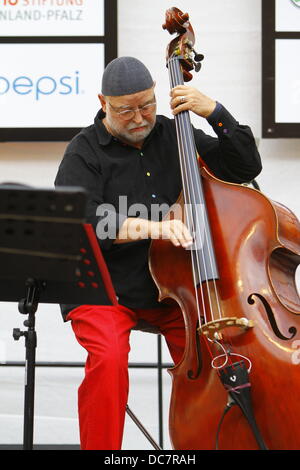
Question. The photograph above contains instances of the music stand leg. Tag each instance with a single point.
(29, 306)
(30, 345)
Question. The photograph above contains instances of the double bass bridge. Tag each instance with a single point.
(213, 329)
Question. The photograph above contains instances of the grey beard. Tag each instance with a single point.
(127, 136)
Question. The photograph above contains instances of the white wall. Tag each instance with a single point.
(228, 33)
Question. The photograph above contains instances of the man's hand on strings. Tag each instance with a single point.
(185, 98)
(175, 230)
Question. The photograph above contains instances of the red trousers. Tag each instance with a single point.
(102, 396)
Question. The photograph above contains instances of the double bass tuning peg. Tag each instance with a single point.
(197, 66)
(198, 57)
(197, 61)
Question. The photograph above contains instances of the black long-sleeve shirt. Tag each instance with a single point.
(108, 168)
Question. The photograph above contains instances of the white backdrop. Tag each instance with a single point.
(228, 33)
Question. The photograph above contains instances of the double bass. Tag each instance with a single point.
(237, 385)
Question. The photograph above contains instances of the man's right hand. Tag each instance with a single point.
(175, 230)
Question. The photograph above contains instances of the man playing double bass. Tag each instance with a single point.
(130, 155)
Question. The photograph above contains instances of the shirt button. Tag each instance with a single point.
(141, 154)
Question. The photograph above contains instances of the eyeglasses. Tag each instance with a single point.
(128, 114)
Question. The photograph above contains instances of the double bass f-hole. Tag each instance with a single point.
(270, 314)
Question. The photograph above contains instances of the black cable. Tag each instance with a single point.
(228, 407)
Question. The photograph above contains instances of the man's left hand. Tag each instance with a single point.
(185, 98)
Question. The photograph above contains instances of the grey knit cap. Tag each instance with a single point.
(125, 76)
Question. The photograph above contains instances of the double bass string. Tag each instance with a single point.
(187, 159)
(190, 150)
(175, 80)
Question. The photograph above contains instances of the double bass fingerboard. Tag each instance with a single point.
(203, 255)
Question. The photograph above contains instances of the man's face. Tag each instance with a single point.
(131, 128)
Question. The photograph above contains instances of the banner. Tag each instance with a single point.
(51, 18)
(50, 85)
(53, 54)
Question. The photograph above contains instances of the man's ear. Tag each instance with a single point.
(102, 102)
